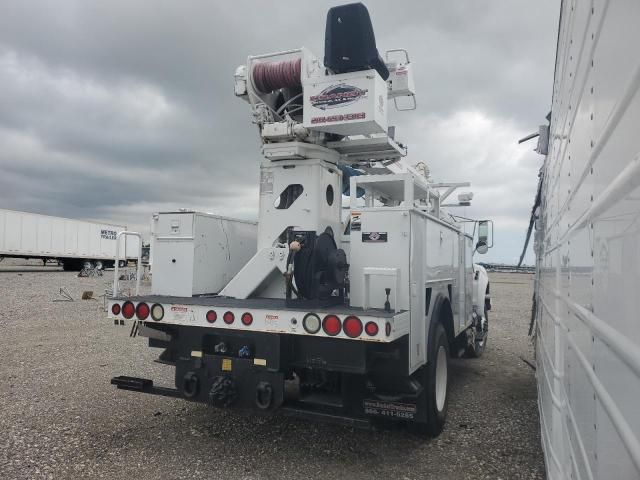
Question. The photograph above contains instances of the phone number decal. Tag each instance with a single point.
(390, 409)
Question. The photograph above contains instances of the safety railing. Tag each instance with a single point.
(117, 263)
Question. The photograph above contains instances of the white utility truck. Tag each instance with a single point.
(346, 318)
(588, 248)
(73, 243)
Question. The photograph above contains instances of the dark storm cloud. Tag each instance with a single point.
(113, 110)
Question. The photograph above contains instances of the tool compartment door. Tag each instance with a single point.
(417, 290)
(381, 242)
(173, 255)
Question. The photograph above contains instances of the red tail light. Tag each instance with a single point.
(371, 328)
(387, 329)
(331, 325)
(212, 316)
(115, 309)
(128, 310)
(352, 327)
(228, 318)
(247, 318)
(142, 311)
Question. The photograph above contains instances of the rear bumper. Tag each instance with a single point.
(143, 385)
(343, 381)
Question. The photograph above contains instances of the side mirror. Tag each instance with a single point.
(485, 230)
(482, 247)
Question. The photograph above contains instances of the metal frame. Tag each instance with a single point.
(138, 265)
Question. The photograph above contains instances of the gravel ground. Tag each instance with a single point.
(60, 417)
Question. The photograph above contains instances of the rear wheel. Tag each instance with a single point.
(436, 382)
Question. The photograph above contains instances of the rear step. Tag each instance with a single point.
(322, 399)
(326, 417)
(143, 385)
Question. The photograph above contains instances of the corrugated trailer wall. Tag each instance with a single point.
(588, 246)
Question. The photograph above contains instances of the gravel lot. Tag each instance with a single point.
(60, 417)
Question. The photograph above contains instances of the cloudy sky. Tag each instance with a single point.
(114, 110)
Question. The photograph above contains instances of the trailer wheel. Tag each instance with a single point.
(72, 264)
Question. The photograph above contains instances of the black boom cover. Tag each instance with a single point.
(349, 42)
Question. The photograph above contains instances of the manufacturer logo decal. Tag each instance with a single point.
(108, 234)
(271, 321)
(337, 96)
(182, 313)
(374, 236)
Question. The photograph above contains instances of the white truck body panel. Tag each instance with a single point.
(410, 252)
(588, 248)
(198, 253)
(32, 235)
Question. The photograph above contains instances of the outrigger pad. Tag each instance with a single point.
(349, 42)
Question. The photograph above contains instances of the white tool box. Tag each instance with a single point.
(198, 253)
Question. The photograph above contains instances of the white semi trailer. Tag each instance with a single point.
(588, 248)
(346, 320)
(72, 243)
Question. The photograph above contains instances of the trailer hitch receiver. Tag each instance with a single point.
(223, 391)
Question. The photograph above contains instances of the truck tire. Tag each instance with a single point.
(437, 381)
(477, 348)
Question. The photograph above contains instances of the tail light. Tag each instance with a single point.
(228, 317)
(331, 325)
(212, 316)
(142, 311)
(128, 310)
(115, 309)
(371, 328)
(387, 329)
(157, 312)
(311, 323)
(247, 318)
(352, 327)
